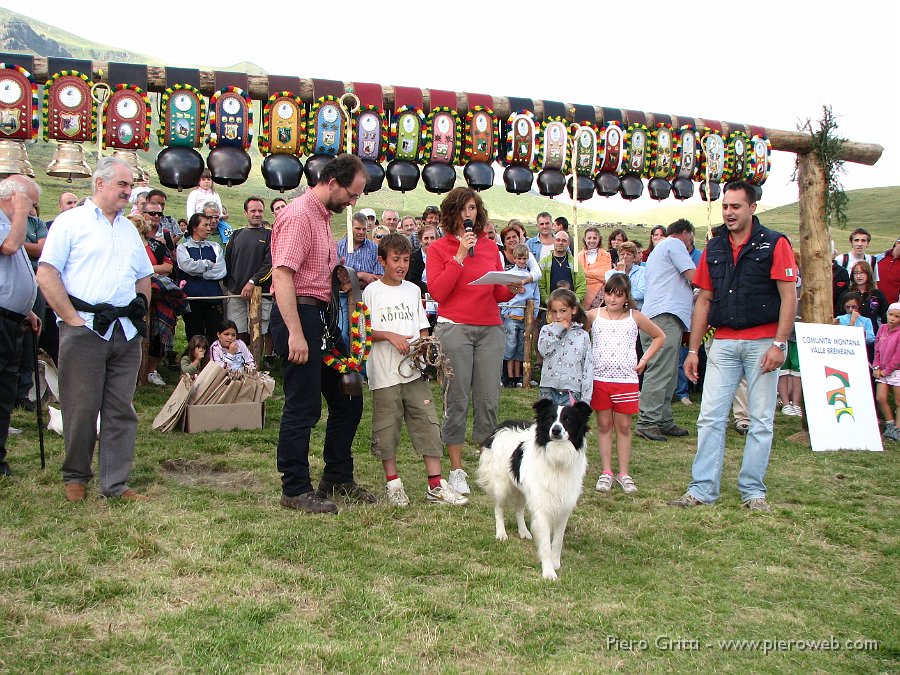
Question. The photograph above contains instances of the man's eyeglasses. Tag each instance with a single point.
(213, 217)
(378, 236)
(157, 214)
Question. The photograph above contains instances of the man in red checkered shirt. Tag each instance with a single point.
(304, 255)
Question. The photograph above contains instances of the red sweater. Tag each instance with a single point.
(448, 282)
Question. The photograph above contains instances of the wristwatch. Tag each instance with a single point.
(781, 345)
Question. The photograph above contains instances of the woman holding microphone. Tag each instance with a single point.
(468, 323)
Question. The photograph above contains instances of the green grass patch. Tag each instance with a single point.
(212, 575)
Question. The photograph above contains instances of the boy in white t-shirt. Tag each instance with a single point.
(398, 389)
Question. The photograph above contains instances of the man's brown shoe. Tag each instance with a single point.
(74, 492)
(309, 502)
(132, 496)
(352, 491)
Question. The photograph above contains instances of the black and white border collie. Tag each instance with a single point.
(539, 466)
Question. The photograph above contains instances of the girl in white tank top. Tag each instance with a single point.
(614, 331)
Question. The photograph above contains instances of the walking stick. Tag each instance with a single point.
(39, 406)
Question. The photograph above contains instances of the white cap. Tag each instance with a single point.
(368, 213)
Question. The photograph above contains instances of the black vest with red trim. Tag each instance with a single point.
(744, 294)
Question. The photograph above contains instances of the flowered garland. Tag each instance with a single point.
(680, 171)
(760, 162)
(662, 165)
(35, 119)
(539, 156)
(707, 336)
(736, 162)
(162, 133)
(575, 133)
(628, 153)
(147, 113)
(312, 125)
(399, 114)
(213, 120)
(468, 149)
(265, 139)
(429, 134)
(715, 172)
(360, 343)
(48, 86)
(382, 130)
(511, 136)
(602, 149)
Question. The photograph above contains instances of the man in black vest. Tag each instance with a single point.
(747, 277)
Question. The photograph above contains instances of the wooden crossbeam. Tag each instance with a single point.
(258, 85)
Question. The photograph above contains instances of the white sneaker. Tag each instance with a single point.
(396, 495)
(686, 401)
(445, 494)
(154, 378)
(604, 483)
(14, 432)
(627, 485)
(457, 480)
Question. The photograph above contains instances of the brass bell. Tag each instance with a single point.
(14, 159)
(138, 173)
(68, 161)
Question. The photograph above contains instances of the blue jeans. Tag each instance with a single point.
(304, 386)
(681, 386)
(514, 345)
(727, 362)
(559, 396)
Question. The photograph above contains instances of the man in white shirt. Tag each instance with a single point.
(859, 242)
(95, 273)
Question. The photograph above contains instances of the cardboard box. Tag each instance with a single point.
(224, 417)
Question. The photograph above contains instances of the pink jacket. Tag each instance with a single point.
(232, 361)
(887, 349)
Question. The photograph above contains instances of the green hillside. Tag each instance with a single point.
(873, 208)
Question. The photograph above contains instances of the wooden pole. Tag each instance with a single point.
(529, 331)
(255, 325)
(815, 242)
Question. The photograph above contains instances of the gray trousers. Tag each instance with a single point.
(661, 375)
(476, 356)
(96, 376)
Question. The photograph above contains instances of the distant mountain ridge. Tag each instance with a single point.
(20, 34)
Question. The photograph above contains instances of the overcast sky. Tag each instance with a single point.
(771, 64)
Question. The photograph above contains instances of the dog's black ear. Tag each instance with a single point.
(542, 405)
(584, 409)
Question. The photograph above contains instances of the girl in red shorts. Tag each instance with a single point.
(614, 331)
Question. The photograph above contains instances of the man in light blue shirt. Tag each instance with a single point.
(94, 258)
(668, 301)
(18, 195)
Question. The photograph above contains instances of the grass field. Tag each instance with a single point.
(213, 576)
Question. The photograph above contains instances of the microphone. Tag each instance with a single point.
(468, 225)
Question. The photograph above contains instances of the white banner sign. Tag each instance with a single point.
(837, 389)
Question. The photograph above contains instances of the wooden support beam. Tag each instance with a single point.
(787, 141)
(815, 242)
(254, 321)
